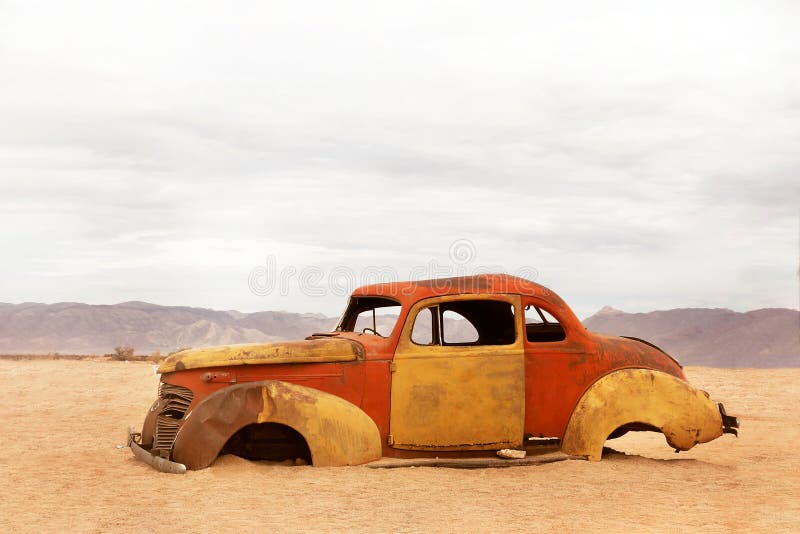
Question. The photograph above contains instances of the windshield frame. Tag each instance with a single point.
(359, 304)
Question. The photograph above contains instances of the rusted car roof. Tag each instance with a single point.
(481, 283)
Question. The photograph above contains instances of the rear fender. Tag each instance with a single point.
(337, 432)
(685, 415)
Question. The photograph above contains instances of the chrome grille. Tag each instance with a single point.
(175, 400)
(178, 400)
(166, 430)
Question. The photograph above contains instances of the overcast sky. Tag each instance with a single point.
(644, 155)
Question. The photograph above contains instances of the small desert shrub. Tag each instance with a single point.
(123, 353)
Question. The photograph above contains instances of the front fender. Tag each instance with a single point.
(337, 432)
(685, 415)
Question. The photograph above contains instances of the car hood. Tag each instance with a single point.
(309, 351)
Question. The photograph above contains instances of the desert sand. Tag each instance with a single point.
(61, 470)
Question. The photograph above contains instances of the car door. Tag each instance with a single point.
(451, 393)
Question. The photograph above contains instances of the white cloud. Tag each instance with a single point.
(643, 156)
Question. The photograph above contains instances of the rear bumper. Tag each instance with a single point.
(730, 424)
(162, 464)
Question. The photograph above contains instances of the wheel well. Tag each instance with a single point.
(268, 441)
(632, 427)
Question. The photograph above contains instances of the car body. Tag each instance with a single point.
(447, 367)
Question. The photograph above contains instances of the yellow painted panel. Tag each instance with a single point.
(684, 414)
(457, 397)
(337, 431)
(308, 351)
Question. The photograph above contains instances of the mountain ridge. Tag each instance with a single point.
(716, 337)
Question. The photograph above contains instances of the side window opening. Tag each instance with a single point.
(541, 326)
(465, 323)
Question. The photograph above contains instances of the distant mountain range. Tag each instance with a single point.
(695, 336)
(715, 337)
(74, 328)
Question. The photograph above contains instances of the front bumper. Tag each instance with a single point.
(162, 464)
(730, 424)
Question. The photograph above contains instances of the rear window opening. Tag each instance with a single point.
(541, 326)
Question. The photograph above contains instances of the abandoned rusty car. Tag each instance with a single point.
(448, 367)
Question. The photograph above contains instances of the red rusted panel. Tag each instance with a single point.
(345, 380)
(378, 383)
(558, 373)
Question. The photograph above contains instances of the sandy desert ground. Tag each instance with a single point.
(61, 471)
